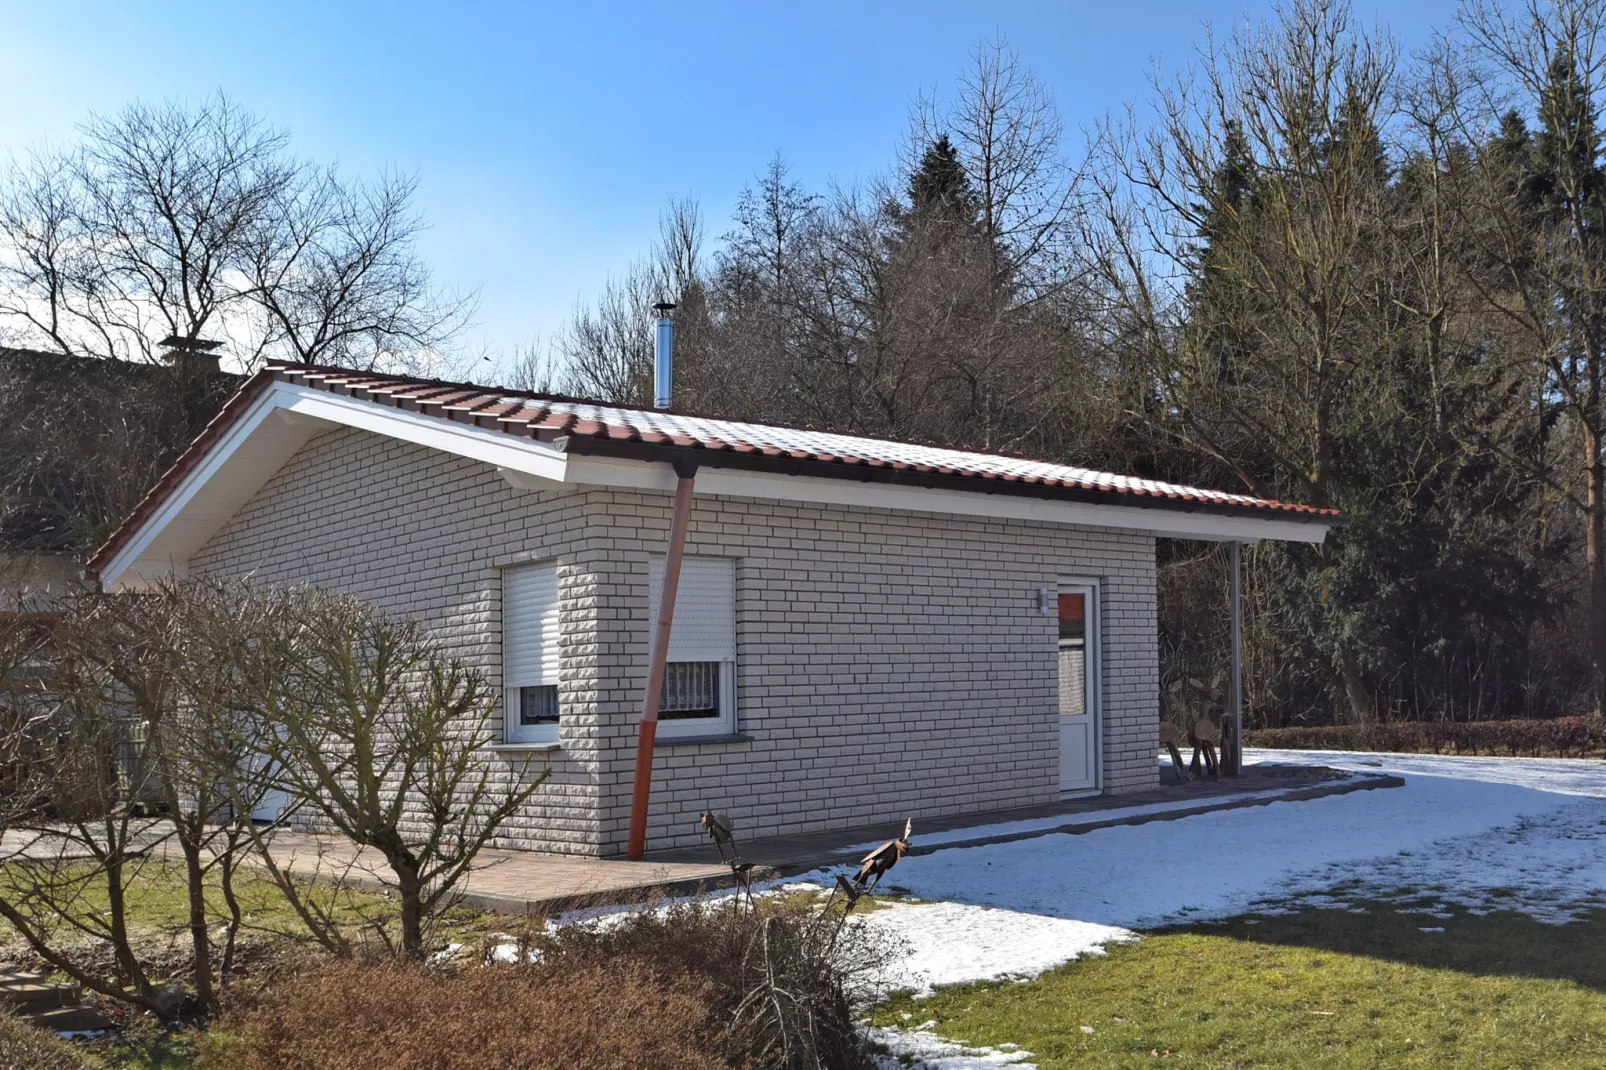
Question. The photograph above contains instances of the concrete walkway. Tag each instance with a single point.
(531, 881)
(1259, 785)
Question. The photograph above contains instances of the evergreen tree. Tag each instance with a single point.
(940, 191)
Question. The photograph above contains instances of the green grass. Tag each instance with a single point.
(160, 1050)
(158, 903)
(1320, 988)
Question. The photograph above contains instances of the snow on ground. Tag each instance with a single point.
(1222, 863)
(929, 1050)
(1477, 833)
(951, 943)
(972, 833)
(1563, 776)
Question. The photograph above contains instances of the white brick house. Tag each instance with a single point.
(865, 630)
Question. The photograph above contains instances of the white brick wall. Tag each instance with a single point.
(889, 664)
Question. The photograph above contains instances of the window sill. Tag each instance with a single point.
(693, 741)
(524, 748)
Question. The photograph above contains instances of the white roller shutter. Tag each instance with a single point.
(529, 626)
(705, 608)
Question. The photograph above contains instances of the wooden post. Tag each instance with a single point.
(1236, 685)
(647, 732)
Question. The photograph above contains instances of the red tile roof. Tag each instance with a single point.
(593, 427)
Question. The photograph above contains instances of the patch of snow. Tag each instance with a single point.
(1479, 834)
(1550, 866)
(445, 954)
(506, 949)
(932, 1052)
(955, 943)
(1552, 846)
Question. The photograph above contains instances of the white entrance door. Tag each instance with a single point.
(1079, 665)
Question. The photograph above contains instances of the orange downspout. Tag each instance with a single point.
(648, 731)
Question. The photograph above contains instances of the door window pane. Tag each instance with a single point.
(1073, 616)
(1073, 655)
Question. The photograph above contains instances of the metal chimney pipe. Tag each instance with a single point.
(663, 365)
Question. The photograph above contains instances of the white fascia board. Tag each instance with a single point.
(496, 448)
(265, 437)
(162, 544)
(739, 483)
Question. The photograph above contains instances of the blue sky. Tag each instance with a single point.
(547, 138)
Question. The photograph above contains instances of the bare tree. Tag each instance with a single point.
(607, 347)
(196, 222)
(1261, 182)
(334, 270)
(1011, 144)
(606, 351)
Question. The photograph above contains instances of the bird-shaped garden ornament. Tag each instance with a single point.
(721, 830)
(883, 858)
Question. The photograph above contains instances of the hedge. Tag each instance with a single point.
(1564, 737)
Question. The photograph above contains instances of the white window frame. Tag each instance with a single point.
(702, 646)
(543, 673)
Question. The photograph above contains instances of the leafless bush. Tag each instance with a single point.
(380, 734)
(782, 978)
(24, 1046)
(166, 718)
(80, 827)
(351, 1015)
(1563, 737)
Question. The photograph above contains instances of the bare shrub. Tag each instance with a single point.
(350, 1015)
(781, 978)
(24, 1046)
(767, 985)
(381, 734)
(1563, 737)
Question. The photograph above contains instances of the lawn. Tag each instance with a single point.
(1317, 988)
(158, 907)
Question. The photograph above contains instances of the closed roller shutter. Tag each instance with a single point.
(529, 626)
(704, 628)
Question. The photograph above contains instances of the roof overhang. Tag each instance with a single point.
(269, 421)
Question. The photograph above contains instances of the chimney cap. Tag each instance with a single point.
(188, 345)
(663, 308)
